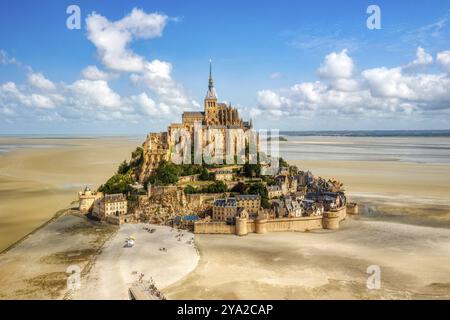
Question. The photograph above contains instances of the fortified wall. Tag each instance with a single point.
(244, 226)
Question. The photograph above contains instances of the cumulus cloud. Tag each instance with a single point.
(374, 92)
(39, 81)
(337, 70)
(112, 40)
(94, 73)
(92, 97)
(444, 59)
(11, 94)
(96, 93)
(337, 66)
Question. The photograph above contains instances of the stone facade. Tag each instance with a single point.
(110, 206)
(261, 225)
(228, 208)
(274, 192)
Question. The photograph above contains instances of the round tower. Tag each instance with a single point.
(241, 226)
(261, 225)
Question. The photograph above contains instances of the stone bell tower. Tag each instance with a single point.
(211, 109)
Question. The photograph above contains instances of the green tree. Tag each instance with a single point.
(258, 188)
(216, 187)
(204, 174)
(123, 168)
(283, 163)
(240, 188)
(166, 174)
(190, 189)
(119, 183)
(137, 158)
(252, 170)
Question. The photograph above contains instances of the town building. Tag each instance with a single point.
(112, 208)
(226, 209)
(274, 191)
(287, 184)
(250, 202)
(287, 208)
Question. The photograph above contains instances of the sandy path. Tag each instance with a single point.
(118, 267)
(414, 263)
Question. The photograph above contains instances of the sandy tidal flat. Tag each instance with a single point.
(36, 268)
(414, 263)
(40, 176)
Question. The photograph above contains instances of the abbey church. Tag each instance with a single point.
(216, 115)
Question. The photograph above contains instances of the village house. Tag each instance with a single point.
(226, 209)
(287, 208)
(112, 207)
(287, 183)
(250, 202)
(274, 192)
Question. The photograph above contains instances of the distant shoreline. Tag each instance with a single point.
(371, 133)
(305, 133)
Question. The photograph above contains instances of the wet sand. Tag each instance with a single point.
(36, 268)
(38, 177)
(414, 263)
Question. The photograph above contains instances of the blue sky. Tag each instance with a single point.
(292, 65)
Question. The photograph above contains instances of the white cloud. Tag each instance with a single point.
(39, 81)
(269, 100)
(10, 93)
(422, 57)
(96, 93)
(112, 38)
(337, 71)
(94, 73)
(444, 59)
(157, 77)
(376, 92)
(337, 66)
(6, 59)
(385, 82)
(92, 97)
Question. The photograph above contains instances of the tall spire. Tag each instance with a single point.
(211, 94)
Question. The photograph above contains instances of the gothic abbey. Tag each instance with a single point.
(216, 115)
